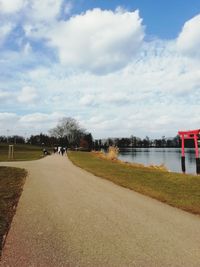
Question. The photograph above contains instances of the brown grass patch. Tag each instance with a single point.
(11, 184)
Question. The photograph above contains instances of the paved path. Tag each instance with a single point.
(68, 217)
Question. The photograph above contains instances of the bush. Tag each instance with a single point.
(113, 152)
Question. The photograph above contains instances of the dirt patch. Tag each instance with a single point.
(11, 186)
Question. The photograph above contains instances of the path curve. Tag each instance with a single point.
(68, 217)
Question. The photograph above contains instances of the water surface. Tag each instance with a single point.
(170, 157)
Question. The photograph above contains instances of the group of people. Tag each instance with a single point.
(60, 150)
(56, 150)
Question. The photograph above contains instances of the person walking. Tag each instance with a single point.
(62, 150)
(44, 151)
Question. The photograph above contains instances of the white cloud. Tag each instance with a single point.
(28, 95)
(39, 122)
(188, 40)
(88, 100)
(39, 117)
(146, 88)
(5, 30)
(33, 123)
(96, 40)
(39, 73)
(44, 10)
(11, 6)
(149, 96)
(5, 116)
(27, 49)
(38, 10)
(8, 122)
(4, 95)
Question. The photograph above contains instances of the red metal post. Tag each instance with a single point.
(182, 145)
(197, 154)
(196, 146)
(190, 135)
(183, 153)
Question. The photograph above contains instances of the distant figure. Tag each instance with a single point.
(59, 150)
(62, 150)
(44, 151)
(55, 150)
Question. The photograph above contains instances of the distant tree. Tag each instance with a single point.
(68, 128)
(41, 139)
(100, 144)
(163, 141)
(124, 142)
(110, 142)
(133, 140)
(96, 145)
(146, 142)
(86, 141)
(176, 141)
(158, 142)
(69, 132)
(15, 139)
(89, 138)
(83, 143)
(139, 142)
(3, 139)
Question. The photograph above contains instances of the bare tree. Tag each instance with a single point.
(70, 128)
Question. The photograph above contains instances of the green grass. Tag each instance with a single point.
(21, 152)
(11, 184)
(178, 190)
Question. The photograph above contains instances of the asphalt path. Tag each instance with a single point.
(69, 217)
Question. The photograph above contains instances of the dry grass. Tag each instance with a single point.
(21, 152)
(113, 152)
(11, 184)
(178, 190)
(113, 156)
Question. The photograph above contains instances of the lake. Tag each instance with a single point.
(170, 157)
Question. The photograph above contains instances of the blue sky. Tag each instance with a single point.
(164, 19)
(118, 67)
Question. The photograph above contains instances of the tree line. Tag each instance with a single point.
(70, 134)
(135, 142)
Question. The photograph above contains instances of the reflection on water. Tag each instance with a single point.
(170, 157)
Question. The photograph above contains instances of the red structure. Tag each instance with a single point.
(192, 134)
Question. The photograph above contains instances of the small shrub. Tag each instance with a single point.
(113, 152)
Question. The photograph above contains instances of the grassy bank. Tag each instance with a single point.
(11, 183)
(21, 152)
(178, 190)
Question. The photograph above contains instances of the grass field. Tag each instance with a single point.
(11, 184)
(21, 152)
(179, 190)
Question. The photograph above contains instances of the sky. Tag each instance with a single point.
(120, 68)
